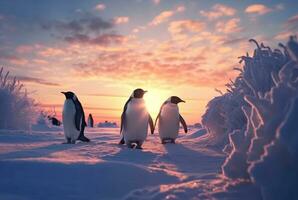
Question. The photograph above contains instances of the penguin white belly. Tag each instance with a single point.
(168, 124)
(68, 118)
(137, 117)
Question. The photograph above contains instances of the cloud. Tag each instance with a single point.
(12, 59)
(121, 20)
(156, 1)
(218, 10)
(180, 9)
(100, 7)
(284, 35)
(184, 26)
(292, 23)
(229, 26)
(290, 28)
(88, 29)
(103, 39)
(86, 24)
(162, 17)
(36, 80)
(107, 95)
(166, 15)
(236, 40)
(51, 52)
(258, 9)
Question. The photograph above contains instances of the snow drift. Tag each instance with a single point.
(17, 108)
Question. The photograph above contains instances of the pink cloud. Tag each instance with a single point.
(100, 7)
(121, 20)
(156, 1)
(218, 10)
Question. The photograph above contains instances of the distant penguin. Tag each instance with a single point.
(90, 121)
(54, 121)
(134, 120)
(73, 118)
(169, 118)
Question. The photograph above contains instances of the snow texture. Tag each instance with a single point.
(37, 166)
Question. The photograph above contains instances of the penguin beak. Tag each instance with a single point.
(63, 92)
(182, 101)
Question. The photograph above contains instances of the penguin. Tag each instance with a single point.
(168, 120)
(134, 120)
(90, 121)
(54, 121)
(73, 118)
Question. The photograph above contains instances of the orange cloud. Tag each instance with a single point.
(259, 9)
(229, 26)
(162, 17)
(218, 10)
(165, 16)
(183, 26)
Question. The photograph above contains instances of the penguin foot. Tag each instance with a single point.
(131, 145)
(168, 140)
(121, 142)
(83, 138)
(68, 141)
(139, 145)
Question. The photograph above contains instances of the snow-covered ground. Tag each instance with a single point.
(38, 166)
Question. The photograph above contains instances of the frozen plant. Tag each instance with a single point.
(16, 107)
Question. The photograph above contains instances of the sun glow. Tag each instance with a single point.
(154, 98)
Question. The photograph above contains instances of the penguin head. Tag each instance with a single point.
(138, 93)
(176, 100)
(69, 95)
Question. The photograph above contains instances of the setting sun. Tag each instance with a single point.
(154, 98)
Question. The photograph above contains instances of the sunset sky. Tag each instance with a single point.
(102, 50)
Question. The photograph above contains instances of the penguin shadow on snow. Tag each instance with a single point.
(136, 156)
(189, 161)
(37, 152)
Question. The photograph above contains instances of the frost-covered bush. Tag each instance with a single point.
(16, 108)
(265, 150)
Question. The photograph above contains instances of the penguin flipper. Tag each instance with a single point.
(158, 114)
(123, 121)
(151, 124)
(79, 116)
(182, 121)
